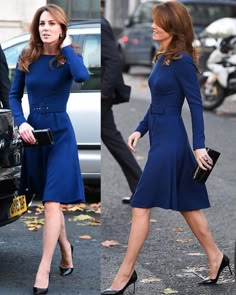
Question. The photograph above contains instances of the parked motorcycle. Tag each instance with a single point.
(220, 81)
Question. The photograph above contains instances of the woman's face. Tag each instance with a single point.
(49, 28)
(160, 35)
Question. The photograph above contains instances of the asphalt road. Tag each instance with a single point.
(171, 253)
(20, 253)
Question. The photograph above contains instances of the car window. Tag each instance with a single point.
(143, 13)
(91, 52)
(13, 52)
(204, 14)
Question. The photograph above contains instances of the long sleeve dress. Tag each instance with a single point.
(167, 181)
(52, 172)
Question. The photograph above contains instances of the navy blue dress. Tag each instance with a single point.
(167, 181)
(51, 172)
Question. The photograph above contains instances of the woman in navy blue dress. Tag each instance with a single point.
(167, 181)
(47, 68)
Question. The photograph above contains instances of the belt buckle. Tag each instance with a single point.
(44, 109)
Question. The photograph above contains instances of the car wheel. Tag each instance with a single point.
(211, 97)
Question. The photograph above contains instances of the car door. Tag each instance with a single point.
(139, 48)
(84, 104)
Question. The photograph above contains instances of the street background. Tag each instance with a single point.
(171, 253)
(20, 253)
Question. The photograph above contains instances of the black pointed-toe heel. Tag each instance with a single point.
(40, 290)
(69, 270)
(131, 281)
(225, 262)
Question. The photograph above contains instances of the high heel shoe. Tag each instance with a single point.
(37, 290)
(131, 281)
(225, 262)
(69, 270)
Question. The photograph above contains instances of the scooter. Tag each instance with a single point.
(220, 81)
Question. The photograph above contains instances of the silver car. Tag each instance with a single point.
(84, 101)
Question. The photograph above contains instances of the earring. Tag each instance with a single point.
(60, 35)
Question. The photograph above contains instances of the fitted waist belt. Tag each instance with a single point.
(48, 108)
(162, 110)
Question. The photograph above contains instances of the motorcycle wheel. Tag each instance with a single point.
(215, 98)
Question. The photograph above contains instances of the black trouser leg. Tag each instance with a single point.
(115, 143)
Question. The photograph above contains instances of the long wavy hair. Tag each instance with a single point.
(173, 17)
(35, 48)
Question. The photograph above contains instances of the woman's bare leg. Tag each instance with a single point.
(138, 234)
(199, 226)
(51, 233)
(66, 259)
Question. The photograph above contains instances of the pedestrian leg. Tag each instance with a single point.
(199, 226)
(113, 140)
(51, 233)
(65, 246)
(138, 234)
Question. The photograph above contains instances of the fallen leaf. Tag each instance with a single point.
(75, 208)
(184, 241)
(94, 205)
(34, 223)
(93, 223)
(65, 207)
(169, 291)
(39, 210)
(150, 280)
(95, 208)
(81, 217)
(110, 243)
(178, 229)
(85, 237)
(98, 211)
(84, 219)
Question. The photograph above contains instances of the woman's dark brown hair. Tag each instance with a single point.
(32, 53)
(173, 17)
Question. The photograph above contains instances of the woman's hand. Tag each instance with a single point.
(133, 139)
(26, 133)
(203, 159)
(66, 41)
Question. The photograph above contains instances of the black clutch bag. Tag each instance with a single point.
(201, 175)
(42, 136)
(121, 94)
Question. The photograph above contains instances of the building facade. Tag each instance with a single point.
(16, 15)
(118, 11)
